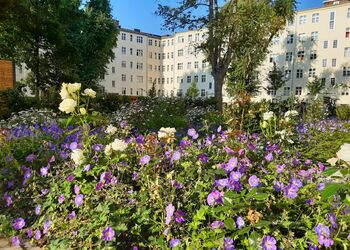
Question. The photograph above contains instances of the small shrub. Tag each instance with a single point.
(343, 112)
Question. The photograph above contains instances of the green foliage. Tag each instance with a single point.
(343, 112)
(276, 78)
(315, 86)
(193, 91)
(315, 110)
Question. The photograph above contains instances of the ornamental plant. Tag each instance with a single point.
(85, 187)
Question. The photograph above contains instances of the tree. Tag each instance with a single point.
(315, 86)
(226, 29)
(153, 92)
(192, 92)
(275, 78)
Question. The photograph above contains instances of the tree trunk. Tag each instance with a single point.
(218, 83)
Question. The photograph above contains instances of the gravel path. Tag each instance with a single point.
(5, 245)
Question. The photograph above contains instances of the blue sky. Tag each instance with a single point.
(139, 14)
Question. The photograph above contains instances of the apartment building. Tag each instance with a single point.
(315, 43)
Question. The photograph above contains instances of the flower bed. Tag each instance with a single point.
(113, 188)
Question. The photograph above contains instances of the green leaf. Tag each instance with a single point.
(263, 223)
(329, 171)
(243, 230)
(230, 224)
(121, 227)
(330, 190)
(261, 196)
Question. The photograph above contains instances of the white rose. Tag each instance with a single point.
(90, 93)
(119, 145)
(111, 130)
(268, 116)
(166, 132)
(68, 105)
(291, 113)
(77, 156)
(64, 92)
(108, 150)
(73, 87)
(344, 153)
(82, 111)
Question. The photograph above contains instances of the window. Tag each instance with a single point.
(123, 36)
(140, 79)
(334, 62)
(150, 80)
(196, 37)
(139, 39)
(314, 36)
(347, 52)
(273, 58)
(202, 92)
(159, 56)
(335, 44)
(287, 74)
(139, 65)
(323, 81)
(123, 77)
(139, 52)
(113, 69)
(163, 68)
(180, 66)
(298, 90)
(331, 20)
(346, 71)
(131, 78)
(315, 17)
(163, 43)
(204, 64)
(180, 39)
(189, 38)
(312, 72)
(302, 37)
(204, 78)
(113, 84)
(150, 67)
(172, 55)
(171, 67)
(163, 80)
(155, 43)
(332, 81)
(131, 65)
(325, 44)
(163, 56)
(150, 55)
(210, 85)
(286, 91)
(180, 80)
(150, 42)
(123, 64)
(302, 19)
(324, 63)
(179, 92)
(291, 22)
(130, 41)
(189, 65)
(348, 14)
(347, 32)
(130, 91)
(345, 91)
(299, 73)
(271, 92)
(313, 54)
(167, 68)
(290, 39)
(180, 52)
(275, 40)
(196, 79)
(167, 55)
(123, 50)
(301, 55)
(196, 65)
(123, 91)
(289, 56)
(130, 51)
(189, 79)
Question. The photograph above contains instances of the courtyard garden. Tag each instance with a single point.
(173, 173)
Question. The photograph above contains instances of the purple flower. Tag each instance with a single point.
(135, 176)
(321, 166)
(296, 182)
(31, 158)
(203, 158)
(71, 216)
(323, 240)
(61, 198)
(79, 200)
(291, 191)
(221, 182)
(19, 223)
(97, 147)
(6, 197)
(29, 233)
(253, 181)
(47, 225)
(145, 160)
(38, 209)
(37, 234)
(44, 191)
(280, 168)
(217, 224)
(269, 243)
(176, 156)
(235, 176)
(269, 157)
(15, 241)
(174, 243)
(44, 171)
(278, 186)
(87, 168)
(179, 216)
(333, 220)
(228, 244)
(99, 185)
(240, 222)
(108, 234)
(73, 146)
(322, 230)
(192, 133)
(76, 189)
(321, 186)
(70, 178)
(176, 184)
(170, 209)
(214, 197)
(232, 163)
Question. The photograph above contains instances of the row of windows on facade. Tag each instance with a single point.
(315, 18)
(299, 90)
(314, 37)
(168, 80)
(139, 39)
(170, 55)
(162, 92)
(312, 73)
(301, 56)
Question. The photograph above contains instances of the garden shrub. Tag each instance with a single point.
(343, 112)
(114, 188)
